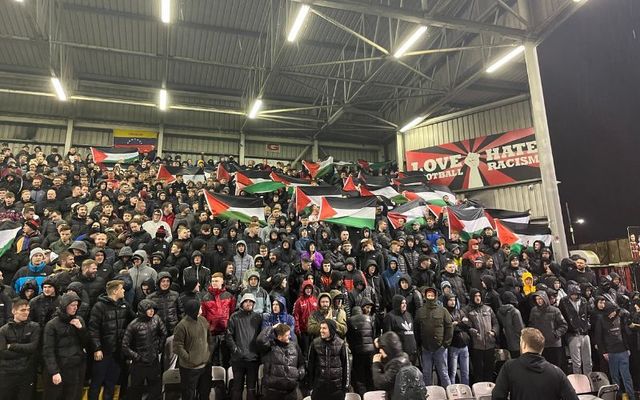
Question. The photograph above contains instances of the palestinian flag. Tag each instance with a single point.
(447, 195)
(8, 232)
(425, 193)
(387, 192)
(375, 181)
(380, 165)
(232, 207)
(413, 180)
(256, 182)
(112, 155)
(364, 164)
(469, 220)
(222, 173)
(288, 180)
(357, 212)
(308, 195)
(409, 212)
(522, 235)
(515, 217)
(168, 174)
(350, 185)
(319, 169)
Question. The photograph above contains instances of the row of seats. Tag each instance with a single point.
(218, 374)
(594, 386)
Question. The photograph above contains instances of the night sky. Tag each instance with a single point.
(591, 76)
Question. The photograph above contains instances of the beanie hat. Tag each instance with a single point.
(35, 251)
(161, 232)
(191, 308)
(33, 224)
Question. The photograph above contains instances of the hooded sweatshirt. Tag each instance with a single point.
(242, 261)
(271, 319)
(303, 308)
(143, 271)
(402, 324)
(144, 338)
(262, 297)
(527, 289)
(549, 320)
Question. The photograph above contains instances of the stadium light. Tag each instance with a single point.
(162, 104)
(255, 108)
(411, 124)
(19, 1)
(165, 11)
(57, 86)
(580, 221)
(297, 24)
(505, 59)
(410, 41)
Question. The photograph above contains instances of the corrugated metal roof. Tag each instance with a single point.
(218, 47)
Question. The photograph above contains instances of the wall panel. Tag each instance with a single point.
(348, 154)
(288, 152)
(92, 137)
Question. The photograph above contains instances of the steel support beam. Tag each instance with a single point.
(160, 140)
(545, 152)
(400, 150)
(315, 151)
(241, 148)
(415, 16)
(68, 138)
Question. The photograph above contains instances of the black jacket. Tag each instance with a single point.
(168, 304)
(24, 339)
(360, 332)
(483, 325)
(384, 373)
(6, 294)
(43, 308)
(531, 377)
(402, 324)
(144, 337)
(577, 320)
(108, 322)
(608, 332)
(94, 287)
(329, 365)
(549, 320)
(64, 345)
(511, 324)
(283, 363)
(242, 331)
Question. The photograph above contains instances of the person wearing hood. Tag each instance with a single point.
(530, 376)
(409, 291)
(273, 266)
(511, 323)
(242, 332)
(64, 351)
(458, 352)
(109, 318)
(358, 294)
(83, 308)
(261, 297)
(491, 296)
(609, 339)
(19, 344)
(475, 273)
(434, 330)
(141, 271)
(167, 304)
(391, 276)
(288, 254)
(280, 288)
(483, 330)
(312, 254)
(197, 271)
(44, 305)
(527, 283)
(400, 321)
(575, 310)
(105, 267)
(231, 281)
(386, 364)
(124, 259)
(36, 270)
(192, 344)
(323, 276)
(549, 320)
(328, 363)
(303, 308)
(470, 256)
(424, 274)
(142, 342)
(29, 290)
(327, 311)
(242, 260)
(278, 315)
(360, 336)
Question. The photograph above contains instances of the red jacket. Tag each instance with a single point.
(217, 306)
(303, 308)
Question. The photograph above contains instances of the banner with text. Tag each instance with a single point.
(494, 160)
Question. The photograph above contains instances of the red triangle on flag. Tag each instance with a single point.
(222, 173)
(364, 192)
(394, 219)
(454, 223)
(363, 164)
(505, 235)
(410, 195)
(435, 210)
(302, 200)
(98, 156)
(325, 210)
(349, 185)
(215, 206)
(165, 175)
(311, 167)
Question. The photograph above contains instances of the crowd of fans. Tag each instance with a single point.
(115, 277)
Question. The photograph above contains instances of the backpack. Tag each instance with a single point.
(409, 384)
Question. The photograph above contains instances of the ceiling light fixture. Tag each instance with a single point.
(505, 59)
(410, 41)
(297, 24)
(411, 124)
(163, 101)
(165, 11)
(255, 108)
(57, 86)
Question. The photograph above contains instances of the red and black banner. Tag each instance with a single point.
(494, 160)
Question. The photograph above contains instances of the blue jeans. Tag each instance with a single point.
(619, 366)
(440, 358)
(459, 356)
